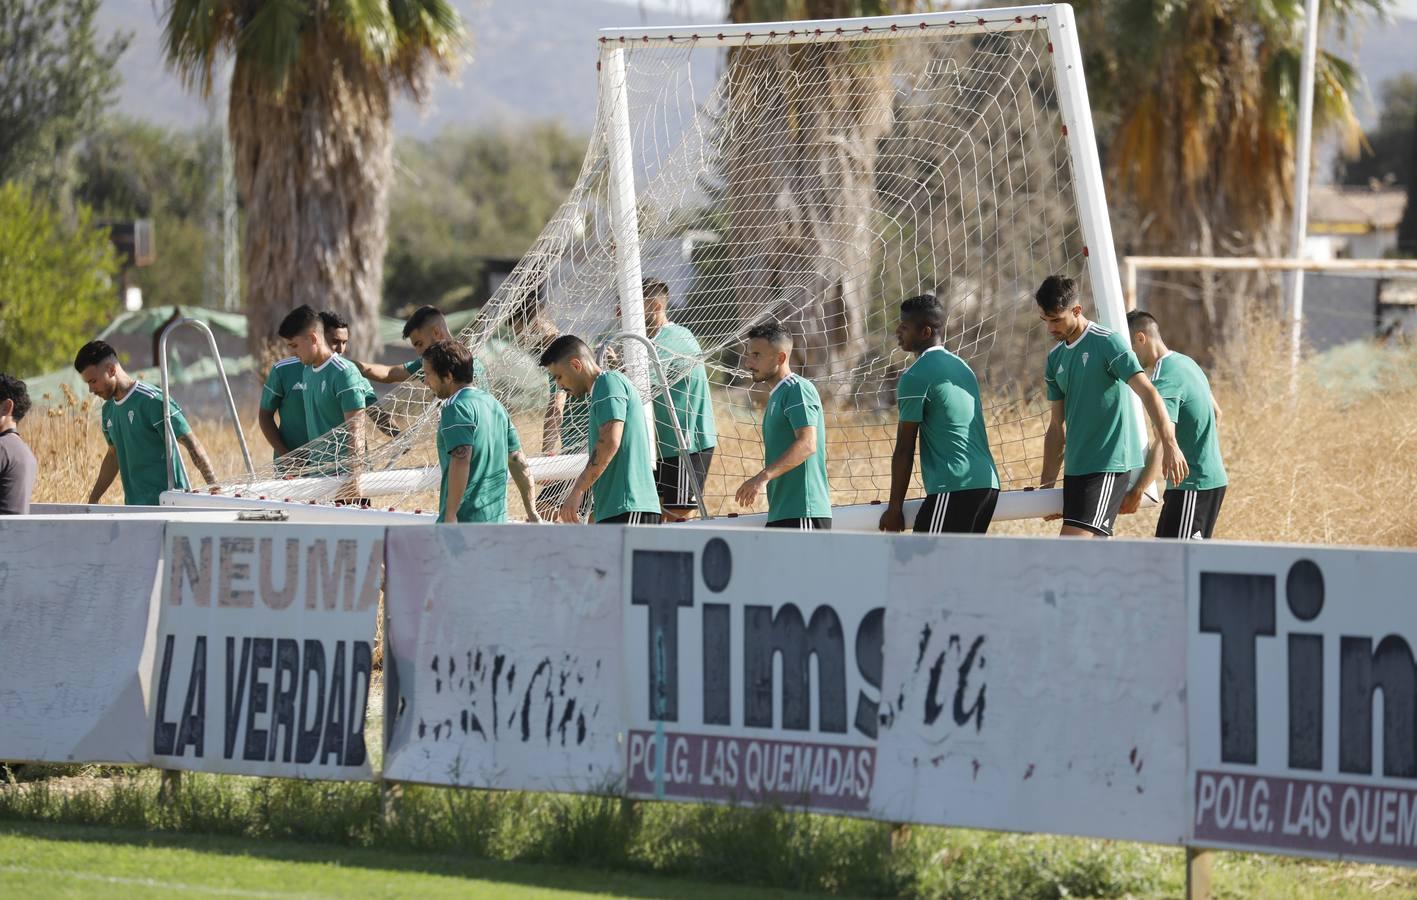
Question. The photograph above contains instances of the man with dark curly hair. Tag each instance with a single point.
(17, 464)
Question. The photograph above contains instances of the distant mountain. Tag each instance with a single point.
(530, 60)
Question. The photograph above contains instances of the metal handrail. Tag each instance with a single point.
(653, 355)
(169, 438)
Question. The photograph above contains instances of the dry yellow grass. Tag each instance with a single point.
(68, 444)
(1317, 467)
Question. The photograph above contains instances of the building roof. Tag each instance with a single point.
(1336, 209)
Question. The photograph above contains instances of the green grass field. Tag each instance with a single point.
(103, 832)
(39, 860)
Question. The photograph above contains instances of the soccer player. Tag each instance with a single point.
(566, 421)
(938, 399)
(477, 443)
(1189, 508)
(794, 438)
(332, 390)
(337, 336)
(679, 351)
(282, 413)
(17, 464)
(1087, 435)
(132, 421)
(619, 474)
(423, 329)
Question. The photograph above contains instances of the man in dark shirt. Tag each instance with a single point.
(17, 465)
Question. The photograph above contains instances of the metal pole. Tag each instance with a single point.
(1301, 183)
(673, 413)
(625, 218)
(170, 438)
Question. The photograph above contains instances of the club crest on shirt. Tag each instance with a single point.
(1084, 359)
(130, 417)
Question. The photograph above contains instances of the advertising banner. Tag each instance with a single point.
(265, 649)
(1035, 685)
(504, 657)
(1303, 700)
(753, 665)
(77, 610)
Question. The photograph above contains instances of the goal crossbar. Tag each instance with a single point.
(992, 21)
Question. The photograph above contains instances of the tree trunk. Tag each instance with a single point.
(313, 166)
(800, 159)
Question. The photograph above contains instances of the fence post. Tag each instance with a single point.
(1198, 873)
(390, 794)
(171, 786)
(900, 835)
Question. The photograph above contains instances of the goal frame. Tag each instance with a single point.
(1090, 199)
(1056, 21)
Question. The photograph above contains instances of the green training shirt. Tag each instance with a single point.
(473, 418)
(627, 484)
(133, 427)
(331, 390)
(284, 395)
(803, 492)
(1090, 377)
(1186, 390)
(941, 393)
(679, 351)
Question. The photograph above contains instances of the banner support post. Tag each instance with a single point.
(1198, 862)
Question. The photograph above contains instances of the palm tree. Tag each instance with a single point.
(311, 94)
(1202, 97)
(804, 199)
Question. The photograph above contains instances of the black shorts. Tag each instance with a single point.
(676, 487)
(1189, 515)
(1093, 501)
(633, 518)
(822, 524)
(957, 512)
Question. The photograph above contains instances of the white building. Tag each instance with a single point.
(1353, 222)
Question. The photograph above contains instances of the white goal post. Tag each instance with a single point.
(836, 167)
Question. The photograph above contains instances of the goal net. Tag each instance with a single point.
(811, 173)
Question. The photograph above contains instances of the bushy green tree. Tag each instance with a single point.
(56, 282)
(1388, 155)
(135, 170)
(55, 82)
(463, 197)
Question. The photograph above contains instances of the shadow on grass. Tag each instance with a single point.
(758, 847)
(524, 874)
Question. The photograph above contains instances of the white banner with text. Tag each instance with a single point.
(502, 667)
(1303, 700)
(1035, 686)
(753, 665)
(265, 649)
